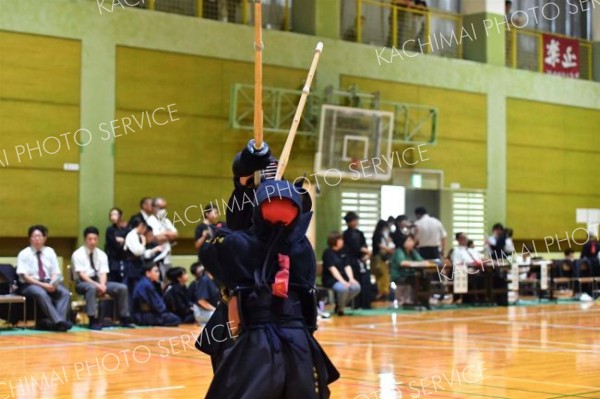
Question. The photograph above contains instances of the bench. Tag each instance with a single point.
(330, 292)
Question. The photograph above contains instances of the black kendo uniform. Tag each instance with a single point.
(354, 240)
(275, 356)
(214, 339)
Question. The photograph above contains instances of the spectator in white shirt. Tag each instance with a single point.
(509, 245)
(37, 267)
(90, 264)
(463, 255)
(137, 253)
(430, 235)
(138, 242)
(164, 232)
(471, 261)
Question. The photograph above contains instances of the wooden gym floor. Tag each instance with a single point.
(530, 352)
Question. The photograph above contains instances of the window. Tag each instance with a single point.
(468, 216)
(567, 18)
(366, 203)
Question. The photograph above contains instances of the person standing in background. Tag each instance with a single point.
(164, 233)
(383, 248)
(206, 230)
(357, 253)
(403, 226)
(146, 210)
(137, 253)
(115, 245)
(430, 235)
(496, 242)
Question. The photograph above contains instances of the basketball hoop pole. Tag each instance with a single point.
(258, 111)
(287, 148)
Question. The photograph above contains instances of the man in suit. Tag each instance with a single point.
(146, 210)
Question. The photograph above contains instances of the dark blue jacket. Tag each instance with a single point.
(235, 258)
(145, 293)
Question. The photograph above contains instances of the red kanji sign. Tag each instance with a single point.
(561, 56)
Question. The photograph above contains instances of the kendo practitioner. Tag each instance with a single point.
(176, 295)
(243, 199)
(240, 207)
(149, 308)
(269, 271)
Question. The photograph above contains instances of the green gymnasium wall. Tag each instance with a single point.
(189, 160)
(39, 97)
(135, 60)
(553, 155)
(460, 150)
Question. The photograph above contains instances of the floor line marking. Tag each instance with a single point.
(469, 318)
(474, 338)
(154, 389)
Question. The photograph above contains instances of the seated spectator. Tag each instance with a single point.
(405, 257)
(90, 264)
(204, 294)
(149, 308)
(176, 295)
(567, 265)
(588, 264)
(115, 245)
(391, 222)
(403, 228)
(463, 255)
(338, 274)
(496, 242)
(589, 253)
(37, 267)
(509, 246)
(565, 268)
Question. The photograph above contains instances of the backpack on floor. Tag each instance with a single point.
(8, 279)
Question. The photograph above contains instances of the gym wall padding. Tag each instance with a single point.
(39, 97)
(552, 161)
